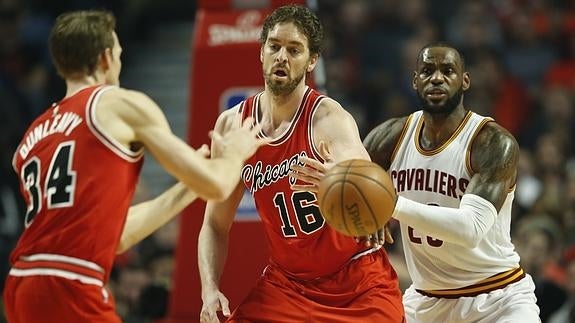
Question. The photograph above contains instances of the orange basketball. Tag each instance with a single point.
(356, 197)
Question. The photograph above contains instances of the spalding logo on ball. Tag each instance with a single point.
(356, 197)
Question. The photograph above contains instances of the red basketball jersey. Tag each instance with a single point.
(300, 241)
(78, 183)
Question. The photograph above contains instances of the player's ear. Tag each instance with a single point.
(262, 53)
(106, 58)
(414, 81)
(312, 62)
(466, 81)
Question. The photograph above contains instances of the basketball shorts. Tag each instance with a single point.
(50, 299)
(515, 302)
(365, 290)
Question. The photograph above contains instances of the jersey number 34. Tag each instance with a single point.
(58, 186)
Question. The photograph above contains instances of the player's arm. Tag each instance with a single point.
(381, 141)
(336, 137)
(213, 239)
(495, 155)
(337, 128)
(209, 178)
(213, 244)
(146, 217)
(494, 158)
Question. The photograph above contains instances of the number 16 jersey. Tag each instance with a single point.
(301, 243)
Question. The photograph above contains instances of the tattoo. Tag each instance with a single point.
(494, 159)
(381, 141)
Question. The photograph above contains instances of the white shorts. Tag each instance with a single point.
(514, 303)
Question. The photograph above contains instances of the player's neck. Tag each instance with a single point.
(281, 107)
(277, 111)
(438, 128)
(75, 85)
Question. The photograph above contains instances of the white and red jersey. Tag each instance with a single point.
(78, 183)
(300, 242)
(440, 177)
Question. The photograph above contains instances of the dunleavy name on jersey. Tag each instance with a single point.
(59, 123)
(260, 175)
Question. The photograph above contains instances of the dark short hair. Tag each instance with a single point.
(305, 20)
(78, 38)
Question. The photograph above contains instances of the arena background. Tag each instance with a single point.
(198, 58)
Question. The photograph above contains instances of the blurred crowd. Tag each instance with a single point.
(521, 57)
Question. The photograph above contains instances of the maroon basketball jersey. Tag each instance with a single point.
(77, 181)
(300, 241)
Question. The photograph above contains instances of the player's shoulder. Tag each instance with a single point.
(227, 119)
(328, 104)
(127, 103)
(330, 110)
(389, 130)
(381, 141)
(492, 136)
(126, 96)
(133, 107)
(494, 148)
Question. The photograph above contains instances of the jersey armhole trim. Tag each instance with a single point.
(314, 149)
(468, 164)
(401, 138)
(14, 157)
(106, 139)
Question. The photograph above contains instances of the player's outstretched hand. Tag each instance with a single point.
(204, 151)
(242, 141)
(378, 239)
(310, 171)
(212, 304)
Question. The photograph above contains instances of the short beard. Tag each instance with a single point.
(278, 89)
(446, 109)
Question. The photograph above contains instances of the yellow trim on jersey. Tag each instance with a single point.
(468, 154)
(487, 285)
(401, 137)
(439, 149)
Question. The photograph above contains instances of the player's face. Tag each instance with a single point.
(285, 58)
(440, 80)
(115, 63)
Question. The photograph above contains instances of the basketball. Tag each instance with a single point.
(356, 197)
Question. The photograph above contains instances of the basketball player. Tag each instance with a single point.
(314, 274)
(455, 173)
(79, 164)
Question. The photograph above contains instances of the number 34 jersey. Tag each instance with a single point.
(77, 181)
(300, 242)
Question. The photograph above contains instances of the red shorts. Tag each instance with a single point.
(365, 290)
(50, 299)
